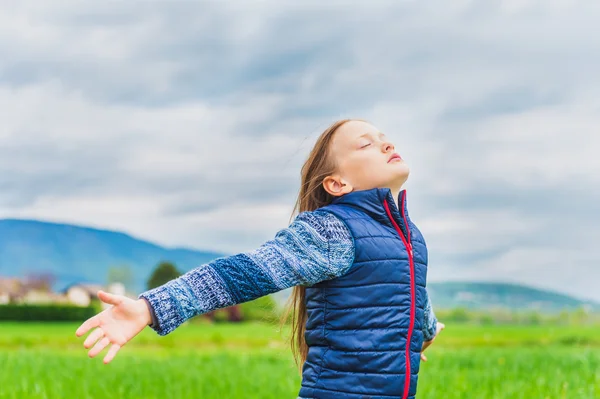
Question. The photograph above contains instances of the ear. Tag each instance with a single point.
(336, 186)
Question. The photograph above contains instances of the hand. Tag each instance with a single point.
(440, 327)
(117, 324)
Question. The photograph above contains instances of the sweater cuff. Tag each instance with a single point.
(166, 315)
(154, 322)
(430, 332)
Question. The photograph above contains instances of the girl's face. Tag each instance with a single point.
(365, 159)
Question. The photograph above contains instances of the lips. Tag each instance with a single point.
(394, 157)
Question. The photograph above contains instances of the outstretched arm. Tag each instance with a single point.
(317, 246)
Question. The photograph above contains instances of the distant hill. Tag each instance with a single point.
(76, 253)
(484, 295)
(83, 254)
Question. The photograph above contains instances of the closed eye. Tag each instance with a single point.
(366, 145)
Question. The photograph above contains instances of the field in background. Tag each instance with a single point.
(250, 360)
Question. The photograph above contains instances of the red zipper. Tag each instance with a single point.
(408, 246)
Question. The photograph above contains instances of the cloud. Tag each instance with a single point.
(188, 123)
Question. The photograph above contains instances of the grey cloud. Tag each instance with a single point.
(324, 60)
(38, 168)
(453, 69)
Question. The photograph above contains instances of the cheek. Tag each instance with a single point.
(361, 169)
(354, 164)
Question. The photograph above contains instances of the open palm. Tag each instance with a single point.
(116, 325)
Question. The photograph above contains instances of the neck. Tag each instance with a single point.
(396, 194)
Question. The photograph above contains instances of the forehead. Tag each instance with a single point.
(350, 131)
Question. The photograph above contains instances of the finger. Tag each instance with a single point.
(423, 357)
(112, 352)
(99, 347)
(111, 299)
(93, 337)
(442, 325)
(87, 325)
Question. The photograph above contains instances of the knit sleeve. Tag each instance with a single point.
(317, 246)
(430, 321)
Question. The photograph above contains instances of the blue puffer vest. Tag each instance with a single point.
(364, 329)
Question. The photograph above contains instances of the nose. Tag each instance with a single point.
(387, 147)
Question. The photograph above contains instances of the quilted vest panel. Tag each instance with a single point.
(364, 329)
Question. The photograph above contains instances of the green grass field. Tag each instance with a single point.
(228, 361)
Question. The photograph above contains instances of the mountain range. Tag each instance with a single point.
(76, 254)
(486, 295)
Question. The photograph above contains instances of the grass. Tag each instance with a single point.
(231, 361)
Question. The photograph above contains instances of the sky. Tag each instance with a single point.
(186, 123)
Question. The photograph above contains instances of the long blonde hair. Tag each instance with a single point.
(312, 196)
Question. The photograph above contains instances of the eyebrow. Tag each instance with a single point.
(370, 134)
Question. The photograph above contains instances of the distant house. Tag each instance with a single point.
(82, 294)
(11, 290)
(464, 296)
(33, 296)
(15, 290)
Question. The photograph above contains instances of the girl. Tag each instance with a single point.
(361, 316)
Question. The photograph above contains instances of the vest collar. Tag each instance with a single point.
(372, 202)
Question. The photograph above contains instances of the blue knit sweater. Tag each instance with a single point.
(317, 246)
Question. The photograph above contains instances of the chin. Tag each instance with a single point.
(401, 178)
(395, 183)
(403, 171)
